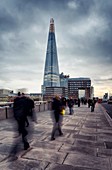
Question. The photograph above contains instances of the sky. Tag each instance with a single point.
(83, 31)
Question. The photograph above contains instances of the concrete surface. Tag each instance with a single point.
(86, 143)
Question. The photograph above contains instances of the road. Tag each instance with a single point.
(108, 108)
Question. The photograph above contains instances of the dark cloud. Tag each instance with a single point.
(83, 34)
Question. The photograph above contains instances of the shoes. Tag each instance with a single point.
(26, 146)
(61, 134)
(52, 138)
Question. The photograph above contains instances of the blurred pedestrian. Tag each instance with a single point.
(89, 102)
(63, 101)
(93, 102)
(21, 109)
(57, 117)
(78, 102)
(70, 105)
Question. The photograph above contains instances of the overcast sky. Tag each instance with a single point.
(83, 30)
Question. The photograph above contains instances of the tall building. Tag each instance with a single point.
(51, 71)
(76, 84)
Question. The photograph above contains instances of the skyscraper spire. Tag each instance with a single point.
(51, 25)
(51, 71)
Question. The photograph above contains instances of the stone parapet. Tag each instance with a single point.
(7, 112)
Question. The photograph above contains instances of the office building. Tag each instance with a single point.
(53, 91)
(76, 84)
(51, 71)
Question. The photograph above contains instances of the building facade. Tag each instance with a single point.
(5, 92)
(76, 84)
(51, 71)
(53, 91)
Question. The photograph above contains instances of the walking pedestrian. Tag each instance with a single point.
(57, 117)
(21, 109)
(70, 105)
(93, 102)
(78, 102)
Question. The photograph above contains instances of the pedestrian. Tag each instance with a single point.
(70, 105)
(93, 102)
(57, 117)
(21, 110)
(27, 122)
(89, 102)
(63, 101)
(78, 102)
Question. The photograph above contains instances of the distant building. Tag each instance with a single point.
(76, 84)
(5, 92)
(91, 92)
(53, 91)
(36, 96)
(5, 95)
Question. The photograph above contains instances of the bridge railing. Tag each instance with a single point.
(6, 109)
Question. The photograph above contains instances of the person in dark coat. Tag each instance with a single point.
(21, 110)
(93, 102)
(70, 105)
(57, 117)
(89, 102)
(78, 102)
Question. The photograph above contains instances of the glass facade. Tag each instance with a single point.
(51, 71)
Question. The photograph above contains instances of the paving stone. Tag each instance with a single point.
(78, 149)
(82, 147)
(87, 161)
(44, 145)
(67, 167)
(45, 155)
(2, 157)
(102, 137)
(105, 131)
(86, 137)
(23, 164)
(89, 130)
(104, 152)
(87, 143)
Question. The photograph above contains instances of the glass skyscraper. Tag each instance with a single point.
(51, 71)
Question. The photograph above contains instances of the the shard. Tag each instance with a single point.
(51, 71)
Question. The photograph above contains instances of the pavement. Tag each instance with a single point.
(86, 143)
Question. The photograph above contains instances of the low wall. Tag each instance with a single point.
(7, 112)
(2, 113)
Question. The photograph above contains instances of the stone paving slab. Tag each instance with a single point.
(23, 164)
(68, 167)
(87, 161)
(45, 155)
(93, 144)
(85, 145)
(78, 149)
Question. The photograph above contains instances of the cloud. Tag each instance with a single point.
(83, 37)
